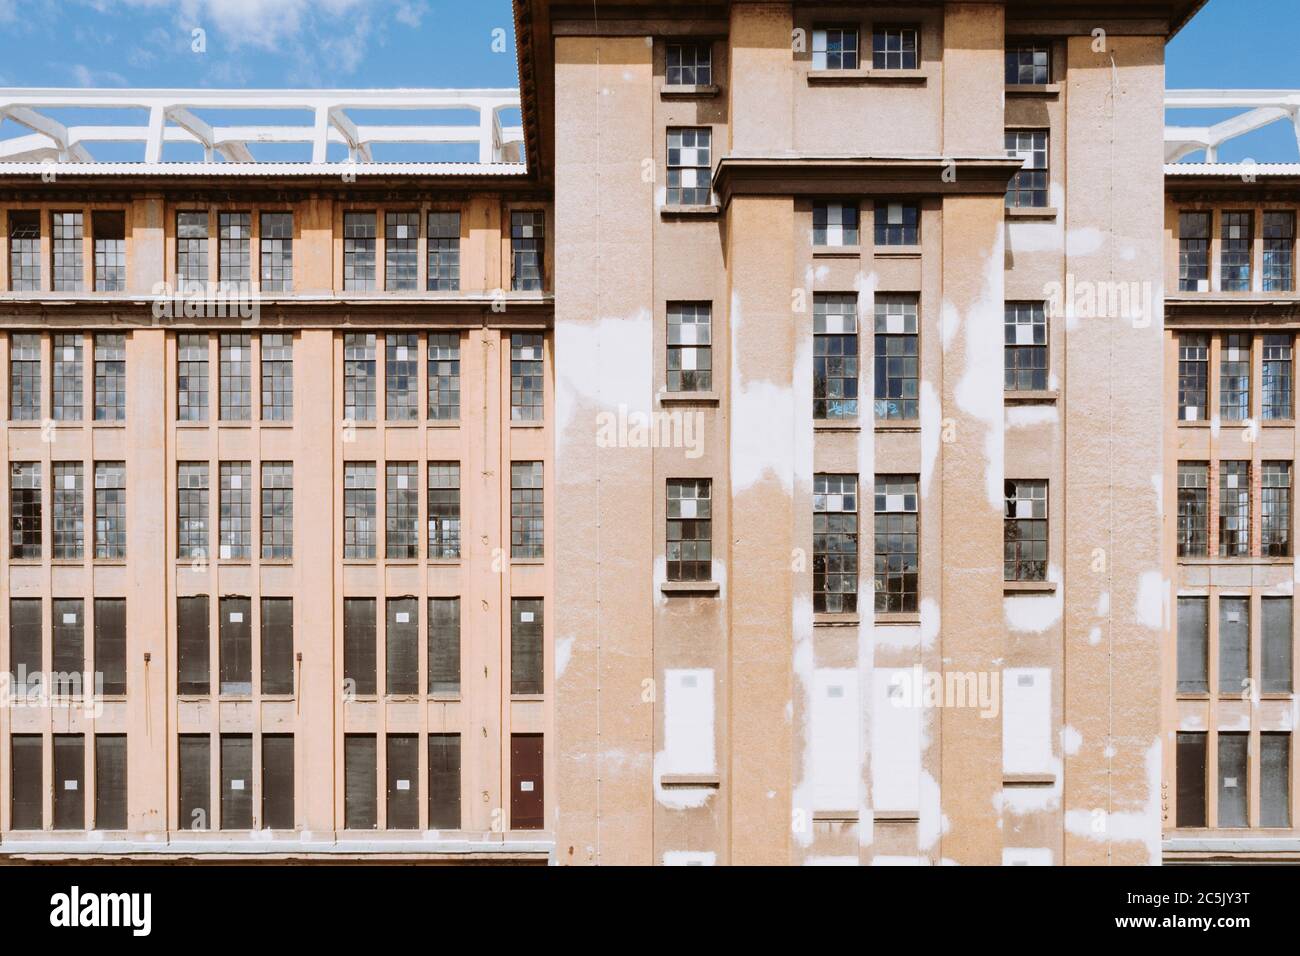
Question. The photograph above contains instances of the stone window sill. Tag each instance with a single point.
(689, 587)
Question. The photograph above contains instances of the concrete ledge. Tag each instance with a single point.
(676, 91)
(689, 587)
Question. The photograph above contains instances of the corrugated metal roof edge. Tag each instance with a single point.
(264, 169)
(1232, 169)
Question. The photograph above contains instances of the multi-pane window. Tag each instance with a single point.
(1025, 346)
(192, 509)
(526, 509)
(444, 251)
(1028, 64)
(192, 378)
(359, 251)
(896, 543)
(1275, 513)
(66, 377)
(359, 510)
(690, 350)
(25, 509)
(896, 395)
(444, 645)
(359, 377)
(109, 228)
(1028, 187)
(1234, 250)
(444, 509)
(1279, 251)
(234, 246)
(1024, 531)
(1193, 645)
(526, 674)
(444, 376)
(236, 510)
(401, 250)
(894, 48)
(897, 224)
(24, 251)
(110, 378)
(689, 164)
(277, 251)
(690, 529)
(1194, 252)
(1234, 378)
(24, 377)
(66, 245)
(68, 498)
(277, 510)
(1193, 509)
(835, 356)
(401, 377)
(1193, 376)
(689, 64)
(110, 510)
(527, 240)
(401, 510)
(191, 247)
(1234, 509)
(835, 543)
(235, 386)
(277, 377)
(1277, 380)
(526, 389)
(835, 48)
(835, 224)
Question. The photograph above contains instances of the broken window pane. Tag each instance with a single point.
(835, 544)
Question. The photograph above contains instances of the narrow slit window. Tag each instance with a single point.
(25, 510)
(1193, 645)
(1275, 780)
(68, 650)
(235, 628)
(1277, 635)
(897, 368)
(527, 242)
(1235, 241)
(401, 377)
(360, 780)
(277, 377)
(69, 782)
(1193, 377)
(192, 378)
(359, 511)
(277, 782)
(236, 782)
(526, 674)
(235, 385)
(277, 252)
(193, 645)
(110, 644)
(897, 544)
(1275, 512)
(110, 510)
(236, 511)
(526, 387)
(24, 377)
(401, 511)
(1234, 644)
(1234, 784)
(1278, 379)
(444, 781)
(401, 646)
(192, 509)
(26, 782)
(359, 377)
(444, 645)
(194, 781)
(110, 782)
(277, 510)
(1191, 771)
(444, 510)
(110, 378)
(277, 645)
(1279, 251)
(402, 764)
(359, 648)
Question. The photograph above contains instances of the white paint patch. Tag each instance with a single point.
(1084, 241)
(831, 861)
(607, 364)
(1035, 237)
(833, 737)
(931, 822)
(930, 620)
(1191, 721)
(690, 858)
(762, 419)
(688, 735)
(1071, 741)
(895, 861)
(895, 742)
(898, 637)
(1158, 484)
(1152, 597)
(1140, 824)
(949, 324)
(1034, 613)
(1239, 721)
(1027, 720)
(1094, 636)
(979, 391)
(1103, 604)
(1031, 416)
(931, 432)
(563, 651)
(1025, 856)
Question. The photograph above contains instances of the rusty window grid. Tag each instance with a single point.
(66, 235)
(401, 250)
(526, 381)
(526, 510)
(109, 230)
(24, 377)
(444, 376)
(25, 510)
(401, 377)
(1029, 185)
(835, 356)
(1236, 240)
(359, 530)
(110, 377)
(24, 251)
(1234, 509)
(444, 509)
(235, 247)
(276, 240)
(896, 544)
(689, 538)
(526, 646)
(1279, 251)
(835, 48)
(236, 511)
(690, 347)
(1277, 381)
(359, 234)
(690, 164)
(835, 543)
(235, 377)
(359, 377)
(1025, 542)
(443, 253)
(688, 64)
(277, 510)
(1194, 252)
(527, 245)
(277, 377)
(192, 510)
(897, 361)
(401, 511)
(1234, 377)
(67, 377)
(68, 501)
(1028, 63)
(192, 378)
(1193, 509)
(1025, 346)
(191, 247)
(110, 510)
(1193, 377)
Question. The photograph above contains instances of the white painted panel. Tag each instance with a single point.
(689, 858)
(688, 721)
(1025, 856)
(836, 752)
(895, 740)
(1027, 720)
(879, 860)
(832, 861)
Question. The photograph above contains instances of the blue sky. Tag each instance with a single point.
(450, 43)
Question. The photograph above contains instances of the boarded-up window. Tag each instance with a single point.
(403, 782)
(1275, 780)
(277, 781)
(25, 642)
(235, 627)
(192, 645)
(236, 782)
(195, 782)
(26, 806)
(69, 782)
(1277, 638)
(444, 645)
(1191, 780)
(836, 751)
(110, 781)
(110, 643)
(359, 644)
(277, 645)
(444, 781)
(525, 645)
(1193, 645)
(689, 722)
(68, 631)
(402, 643)
(359, 797)
(1234, 644)
(1234, 786)
(895, 740)
(526, 781)
(1026, 719)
